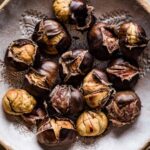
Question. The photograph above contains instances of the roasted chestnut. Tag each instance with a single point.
(74, 65)
(39, 81)
(51, 37)
(91, 124)
(65, 99)
(133, 40)
(21, 54)
(74, 10)
(96, 89)
(56, 132)
(18, 102)
(103, 41)
(122, 74)
(124, 108)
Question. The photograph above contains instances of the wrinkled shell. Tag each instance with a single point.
(51, 37)
(103, 42)
(18, 102)
(56, 132)
(96, 89)
(124, 109)
(91, 124)
(66, 100)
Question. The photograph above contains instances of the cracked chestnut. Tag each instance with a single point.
(21, 54)
(39, 81)
(51, 37)
(124, 108)
(133, 40)
(56, 132)
(90, 124)
(18, 102)
(96, 89)
(74, 65)
(103, 41)
(122, 74)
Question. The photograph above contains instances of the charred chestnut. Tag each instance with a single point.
(56, 132)
(133, 39)
(91, 124)
(65, 99)
(103, 41)
(96, 89)
(51, 37)
(74, 10)
(122, 74)
(124, 108)
(74, 65)
(18, 102)
(39, 81)
(21, 54)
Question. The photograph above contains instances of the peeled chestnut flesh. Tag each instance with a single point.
(21, 54)
(122, 74)
(124, 108)
(96, 89)
(39, 81)
(56, 132)
(74, 65)
(103, 41)
(51, 37)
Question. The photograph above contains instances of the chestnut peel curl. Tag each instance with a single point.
(56, 132)
(96, 89)
(103, 42)
(91, 124)
(124, 108)
(51, 37)
(18, 102)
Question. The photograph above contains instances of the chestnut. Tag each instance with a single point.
(40, 80)
(96, 89)
(103, 41)
(56, 132)
(18, 102)
(91, 124)
(122, 74)
(21, 54)
(65, 99)
(51, 37)
(133, 40)
(124, 108)
(74, 65)
(76, 11)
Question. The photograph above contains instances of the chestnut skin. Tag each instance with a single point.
(133, 40)
(39, 81)
(122, 74)
(56, 132)
(21, 54)
(103, 41)
(74, 65)
(124, 108)
(51, 37)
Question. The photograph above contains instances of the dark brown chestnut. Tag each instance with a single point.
(96, 89)
(124, 108)
(74, 65)
(103, 41)
(39, 81)
(21, 54)
(56, 132)
(77, 11)
(122, 74)
(133, 40)
(51, 37)
(65, 99)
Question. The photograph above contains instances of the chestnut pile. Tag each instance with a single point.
(66, 96)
